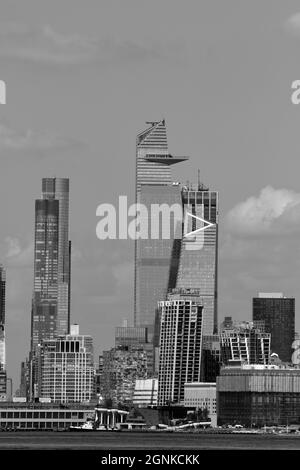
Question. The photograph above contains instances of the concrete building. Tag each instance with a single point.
(245, 341)
(145, 392)
(202, 396)
(258, 395)
(43, 416)
(180, 345)
(278, 314)
(66, 368)
(122, 366)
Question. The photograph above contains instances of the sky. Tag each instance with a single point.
(82, 78)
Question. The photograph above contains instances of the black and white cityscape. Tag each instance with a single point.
(175, 366)
(149, 224)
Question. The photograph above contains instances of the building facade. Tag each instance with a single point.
(145, 392)
(43, 416)
(199, 253)
(258, 396)
(122, 366)
(210, 358)
(278, 314)
(202, 396)
(3, 377)
(2, 319)
(51, 296)
(180, 345)
(246, 342)
(66, 369)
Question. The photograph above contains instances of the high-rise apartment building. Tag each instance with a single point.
(66, 368)
(278, 314)
(180, 345)
(51, 296)
(246, 342)
(156, 259)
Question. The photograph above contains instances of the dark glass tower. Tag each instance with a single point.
(278, 314)
(2, 317)
(155, 259)
(51, 296)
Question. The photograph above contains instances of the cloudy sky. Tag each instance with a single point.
(82, 78)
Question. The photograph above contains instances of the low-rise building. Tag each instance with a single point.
(258, 395)
(31, 416)
(203, 397)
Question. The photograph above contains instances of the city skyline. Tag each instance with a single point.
(213, 76)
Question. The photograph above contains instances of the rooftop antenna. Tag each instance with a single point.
(199, 182)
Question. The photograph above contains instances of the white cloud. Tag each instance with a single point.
(292, 25)
(16, 140)
(273, 211)
(16, 254)
(45, 45)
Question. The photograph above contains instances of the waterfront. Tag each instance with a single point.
(144, 441)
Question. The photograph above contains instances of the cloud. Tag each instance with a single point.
(15, 254)
(272, 212)
(45, 45)
(15, 140)
(292, 24)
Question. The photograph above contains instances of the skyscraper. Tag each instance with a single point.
(3, 378)
(67, 368)
(278, 314)
(156, 260)
(2, 317)
(51, 296)
(199, 253)
(180, 345)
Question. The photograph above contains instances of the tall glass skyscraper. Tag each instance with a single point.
(51, 296)
(199, 253)
(2, 318)
(154, 258)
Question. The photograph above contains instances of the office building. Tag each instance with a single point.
(258, 395)
(202, 396)
(180, 345)
(51, 296)
(278, 314)
(210, 358)
(145, 392)
(130, 335)
(246, 342)
(66, 368)
(136, 336)
(2, 319)
(122, 366)
(199, 253)
(3, 377)
(156, 258)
